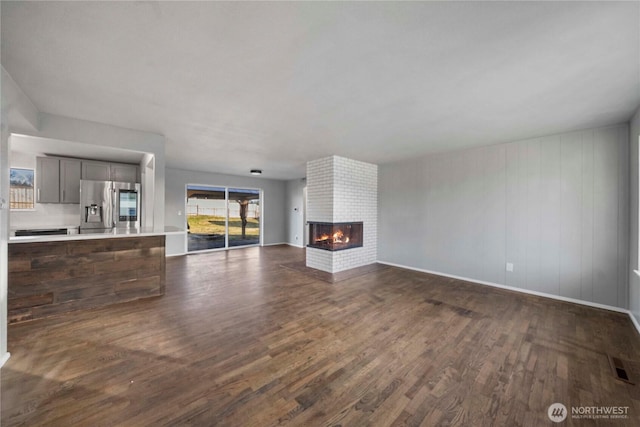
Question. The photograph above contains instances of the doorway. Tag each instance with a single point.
(222, 217)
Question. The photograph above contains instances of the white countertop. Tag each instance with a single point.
(109, 234)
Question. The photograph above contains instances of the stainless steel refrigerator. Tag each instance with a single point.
(105, 205)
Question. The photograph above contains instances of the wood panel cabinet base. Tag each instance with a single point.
(49, 278)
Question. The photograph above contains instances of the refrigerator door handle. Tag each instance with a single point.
(114, 207)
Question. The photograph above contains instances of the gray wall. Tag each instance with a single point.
(274, 218)
(634, 280)
(556, 207)
(295, 218)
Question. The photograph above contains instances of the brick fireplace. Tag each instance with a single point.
(342, 204)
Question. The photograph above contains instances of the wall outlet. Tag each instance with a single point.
(510, 266)
(296, 237)
(179, 213)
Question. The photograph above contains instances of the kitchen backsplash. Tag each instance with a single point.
(46, 215)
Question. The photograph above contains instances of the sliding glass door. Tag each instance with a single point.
(206, 217)
(244, 217)
(222, 217)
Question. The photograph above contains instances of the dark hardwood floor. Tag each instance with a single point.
(239, 340)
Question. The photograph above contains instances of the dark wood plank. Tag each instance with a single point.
(29, 301)
(333, 277)
(82, 274)
(240, 340)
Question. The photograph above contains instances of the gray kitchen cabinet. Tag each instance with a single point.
(47, 180)
(58, 179)
(96, 171)
(70, 170)
(121, 172)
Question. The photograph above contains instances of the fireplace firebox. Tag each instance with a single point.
(335, 236)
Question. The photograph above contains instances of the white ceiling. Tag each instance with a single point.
(235, 86)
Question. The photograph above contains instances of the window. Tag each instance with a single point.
(21, 194)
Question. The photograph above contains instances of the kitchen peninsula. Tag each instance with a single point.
(49, 275)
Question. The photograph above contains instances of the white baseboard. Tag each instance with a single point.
(4, 359)
(172, 255)
(295, 246)
(524, 291)
(275, 244)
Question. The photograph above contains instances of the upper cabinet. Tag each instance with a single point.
(124, 173)
(58, 179)
(47, 180)
(96, 171)
(70, 170)
(104, 171)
